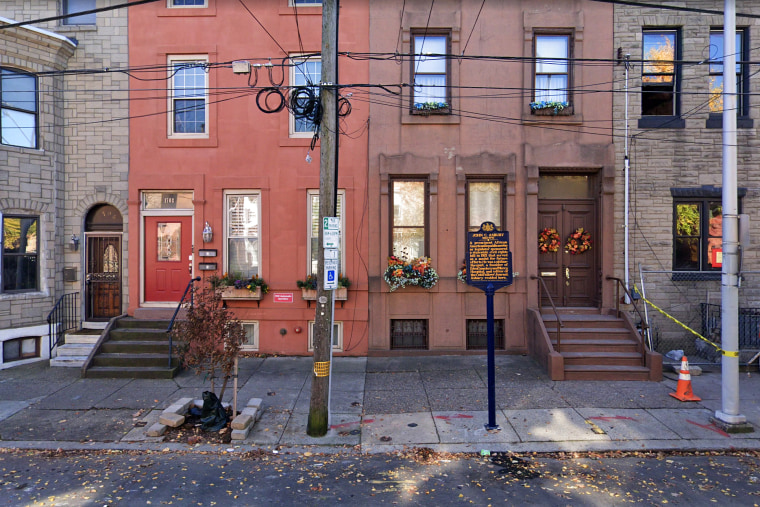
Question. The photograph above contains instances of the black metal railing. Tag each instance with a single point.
(560, 325)
(644, 325)
(63, 317)
(171, 322)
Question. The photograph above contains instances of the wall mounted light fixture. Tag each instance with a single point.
(208, 233)
(74, 243)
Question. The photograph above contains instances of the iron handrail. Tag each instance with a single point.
(560, 324)
(63, 317)
(644, 323)
(171, 322)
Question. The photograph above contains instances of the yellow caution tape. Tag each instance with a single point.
(728, 353)
(322, 369)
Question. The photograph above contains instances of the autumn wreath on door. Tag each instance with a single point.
(548, 240)
(578, 242)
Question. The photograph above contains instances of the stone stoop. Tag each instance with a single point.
(134, 348)
(174, 417)
(596, 345)
(76, 348)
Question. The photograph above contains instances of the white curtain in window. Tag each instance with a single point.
(485, 205)
(430, 88)
(551, 88)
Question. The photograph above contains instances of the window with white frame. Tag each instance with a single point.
(74, 6)
(188, 96)
(314, 226)
(305, 2)
(251, 330)
(18, 118)
(430, 73)
(243, 229)
(20, 258)
(188, 3)
(552, 68)
(337, 338)
(307, 72)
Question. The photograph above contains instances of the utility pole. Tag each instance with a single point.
(729, 417)
(319, 407)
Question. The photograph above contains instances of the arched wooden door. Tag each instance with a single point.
(103, 228)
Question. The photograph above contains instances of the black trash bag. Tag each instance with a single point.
(213, 416)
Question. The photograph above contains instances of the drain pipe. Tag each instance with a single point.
(627, 184)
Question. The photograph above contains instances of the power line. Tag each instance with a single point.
(473, 26)
(263, 27)
(75, 14)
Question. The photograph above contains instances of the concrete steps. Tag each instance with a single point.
(76, 348)
(134, 348)
(595, 345)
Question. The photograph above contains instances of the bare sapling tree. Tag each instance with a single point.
(209, 336)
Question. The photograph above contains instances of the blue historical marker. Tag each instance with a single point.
(489, 268)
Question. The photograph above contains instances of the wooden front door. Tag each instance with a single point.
(570, 278)
(103, 277)
(168, 247)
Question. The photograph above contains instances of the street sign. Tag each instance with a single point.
(331, 274)
(331, 232)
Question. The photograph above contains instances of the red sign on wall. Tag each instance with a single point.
(282, 297)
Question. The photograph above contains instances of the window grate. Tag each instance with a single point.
(409, 334)
(477, 334)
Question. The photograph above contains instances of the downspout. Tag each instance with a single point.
(627, 184)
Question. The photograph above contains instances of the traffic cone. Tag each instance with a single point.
(684, 392)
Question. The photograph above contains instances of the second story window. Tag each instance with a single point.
(18, 112)
(74, 6)
(552, 68)
(716, 73)
(188, 96)
(659, 79)
(305, 72)
(430, 73)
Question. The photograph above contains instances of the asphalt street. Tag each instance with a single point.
(418, 476)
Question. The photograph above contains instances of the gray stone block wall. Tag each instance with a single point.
(663, 158)
(83, 158)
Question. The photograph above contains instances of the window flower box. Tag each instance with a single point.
(427, 108)
(339, 294)
(233, 293)
(551, 108)
(401, 273)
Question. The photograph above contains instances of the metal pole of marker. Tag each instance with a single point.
(491, 360)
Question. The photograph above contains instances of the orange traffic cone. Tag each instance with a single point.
(684, 392)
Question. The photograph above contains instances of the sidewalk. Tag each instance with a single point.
(382, 404)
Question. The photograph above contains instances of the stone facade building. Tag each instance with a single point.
(675, 152)
(63, 164)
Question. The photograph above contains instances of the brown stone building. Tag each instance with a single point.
(464, 145)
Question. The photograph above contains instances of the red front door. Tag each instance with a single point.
(168, 246)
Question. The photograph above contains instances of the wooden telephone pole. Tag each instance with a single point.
(328, 176)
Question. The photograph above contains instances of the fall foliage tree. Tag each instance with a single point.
(209, 337)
